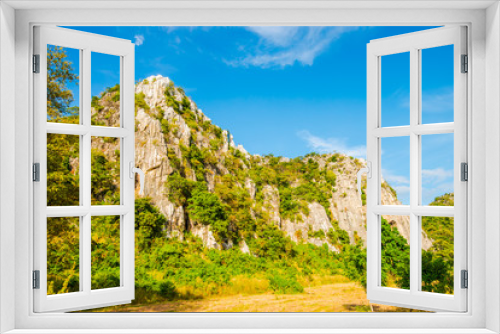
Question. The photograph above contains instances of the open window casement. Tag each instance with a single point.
(416, 295)
(65, 225)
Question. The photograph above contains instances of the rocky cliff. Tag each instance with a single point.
(311, 199)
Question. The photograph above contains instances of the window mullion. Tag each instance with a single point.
(434, 129)
(86, 174)
(414, 169)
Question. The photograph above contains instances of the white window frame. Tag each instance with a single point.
(414, 43)
(483, 211)
(86, 44)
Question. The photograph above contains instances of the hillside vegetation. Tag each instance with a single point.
(217, 221)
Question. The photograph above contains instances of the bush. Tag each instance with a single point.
(140, 102)
(207, 209)
(149, 223)
(180, 189)
(284, 284)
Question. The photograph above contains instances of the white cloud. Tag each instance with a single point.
(330, 145)
(170, 29)
(279, 36)
(158, 65)
(401, 190)
(138, 39)
(438, 101)
(428, 194)
(392, 178)
(285, 46)
(400, 183)
(436, 182)
(436, 175)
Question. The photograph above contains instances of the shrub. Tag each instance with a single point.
(140, 102)
(149, 223)
(180, 189)
(207, 209)
(284, 284)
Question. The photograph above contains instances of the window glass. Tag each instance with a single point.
(63, 85)
(395, 89)
(437, 169)
(105, 252)
(63, 254)
(395, 250)
(105, 171)
(105, 89)
(437, 84)
(437, 257)
(63, 170)
(395, 171)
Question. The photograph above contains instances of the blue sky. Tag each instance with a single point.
(292, 90)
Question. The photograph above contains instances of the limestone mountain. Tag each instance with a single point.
(210, 187)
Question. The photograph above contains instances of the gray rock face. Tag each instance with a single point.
(347, 209)
(272, 203)
(157, 152)
(346, 205)
(203, 232)
(316, 221)
(250, 185)
(244, 247)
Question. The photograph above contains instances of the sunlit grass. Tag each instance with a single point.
(339, 295)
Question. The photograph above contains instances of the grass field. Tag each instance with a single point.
(341, 295)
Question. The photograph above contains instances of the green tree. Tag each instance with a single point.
(180, 189)
(60, 74)
(105, 179)
(149, 223)
(63, 170)
(207, 209)
(395, 256)
(63, 252)
(438, 261)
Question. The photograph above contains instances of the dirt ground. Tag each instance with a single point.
(338, 297)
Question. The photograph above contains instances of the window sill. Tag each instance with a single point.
(252, 331)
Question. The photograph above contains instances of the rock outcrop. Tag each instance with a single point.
(171, 132)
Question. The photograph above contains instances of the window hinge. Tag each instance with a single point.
(36, 279)
(465, 279)
(465, 64)
(464, 171)
(36, 172)
(36, 63)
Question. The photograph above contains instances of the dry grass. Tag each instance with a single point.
(240, 285)
(337, 295)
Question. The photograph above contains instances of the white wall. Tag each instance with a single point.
(193, 17)
(492, 163)
(7, 163)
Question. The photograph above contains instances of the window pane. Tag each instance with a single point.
(63, 170)
(105, 252)
(63, 89)
(63, 254)
(395, 169)
(105, 89)
(395, 250)
(437, 84)
(437, 260)
(437, 168)
(395, 89)
(105, 171)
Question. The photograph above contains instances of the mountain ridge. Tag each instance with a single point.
(311, 199)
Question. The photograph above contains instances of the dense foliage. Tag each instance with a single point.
(437, 262)
(395, 257)
(182, 267)
(60, 75)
